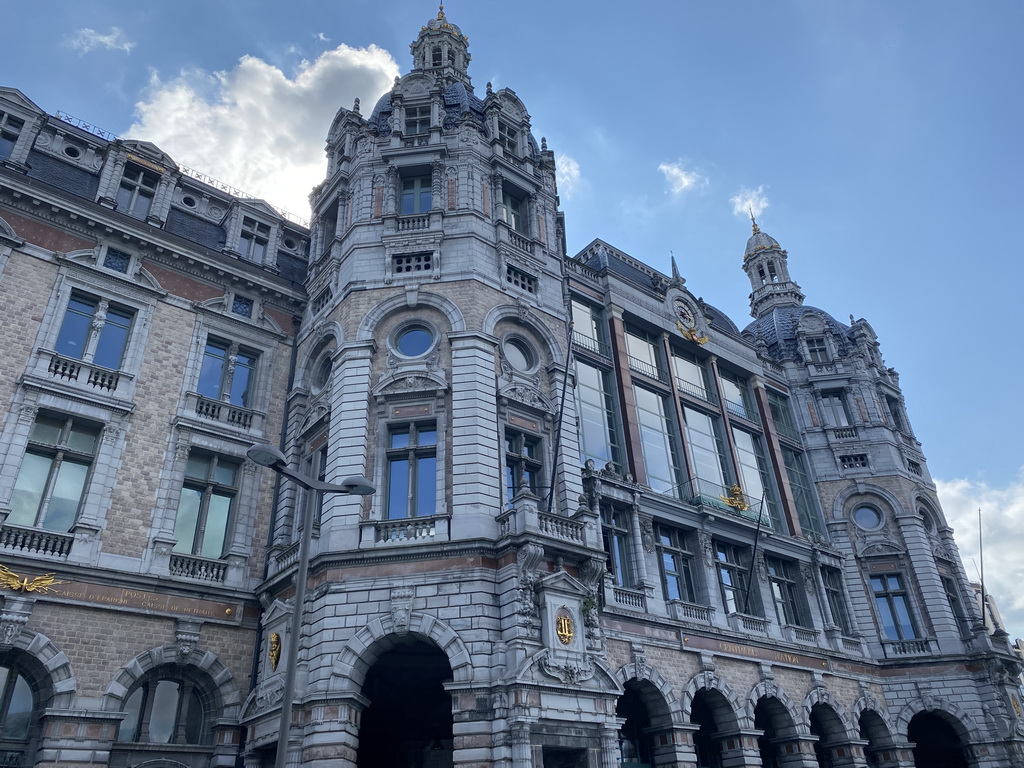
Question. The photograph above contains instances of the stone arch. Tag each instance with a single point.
(409, 300)
(226, 697)
(656, 692)
(327, 334)
(769, 689)
(709, 681)
(47, 660)
(7, 232)
(957, 717)
(842, 500)
(511, 311)
(381, 634)
(824, 696)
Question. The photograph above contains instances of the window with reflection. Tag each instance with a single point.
(137, 189)
(832, 579)
(416, 194)
(707, 449)
(165, 709)
(660, 454)
(54, 472)
(598, 425)
(733, 577)
(228, 373)
(206, 505)
(691, 375)
(615, 532)
(94, 331)
(412, 470)
(676, 561)
(16, 710)
(893, 606)
(522, 464)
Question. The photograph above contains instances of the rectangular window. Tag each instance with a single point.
(206, 505)
(834, 406)
(676, 564)
(10, 129)
(854, 461)
(412, 470)
(94, 331)
(252, 243)
(893, 607)
(953, 597)
(508, 137)
(782, 415)
(691, 376)
(659, 445)
(586, 328)
(520, 279)
(53, 475)
(753, 469)
(416, 194)
(135, 195)
(314, 465)
(615, 532)
(817, 350)
(515, 212)
(522, 464)
(643, 353)
(707, 450)
(598, 426)
(737, 396)
(405, 263)
(782, 582)
(803, 496)
(895, 412)
(228, 373)
(417, 120)
(733, 576)
(832, 578)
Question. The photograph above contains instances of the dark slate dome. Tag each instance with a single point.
(777, 329)
(760, 241)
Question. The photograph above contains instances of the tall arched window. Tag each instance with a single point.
(21, 699)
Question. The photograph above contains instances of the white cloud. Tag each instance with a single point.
(1002, 511)
(321, 37)
(749, 201)
(85, 40)
(567, 172)
(256, 128)
(679, 179)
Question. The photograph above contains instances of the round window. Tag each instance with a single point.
(289, 244)
(72, 151)
(868, 518)
(414, 340)
(322, 375)
(188, 201)
(518, 354)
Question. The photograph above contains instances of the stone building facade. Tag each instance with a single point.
(611, 527)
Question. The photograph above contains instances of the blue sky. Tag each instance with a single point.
(880, 141)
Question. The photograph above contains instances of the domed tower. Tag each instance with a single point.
(764, 261)
(432, 361)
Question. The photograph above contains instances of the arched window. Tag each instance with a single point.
(22, 698)
(166, 707)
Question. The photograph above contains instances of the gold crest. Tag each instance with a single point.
(565, 627)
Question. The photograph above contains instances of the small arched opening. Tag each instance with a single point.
(776, 725)
(710, 710)
(408, 723)
(826, 725)
(873, 730)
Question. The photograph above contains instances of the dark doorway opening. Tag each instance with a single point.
(634, 738)
(409, 721)
(936, 742)
(705, 740)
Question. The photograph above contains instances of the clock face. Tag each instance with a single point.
(684, 314)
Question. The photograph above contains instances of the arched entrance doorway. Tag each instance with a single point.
(937, 742)
(828, 727)
(710, 711)
(409, 721)
(634, 737)
(776, 724)
(873, 730)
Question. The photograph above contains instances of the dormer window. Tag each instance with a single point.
(252, 243)
(508, 137)
(10, 129)
(417, 120)
(135, 195)
(817, 350)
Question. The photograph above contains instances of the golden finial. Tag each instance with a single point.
(440, 12)
(753, 221)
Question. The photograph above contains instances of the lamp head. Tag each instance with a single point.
(357, 485)
(266, 455)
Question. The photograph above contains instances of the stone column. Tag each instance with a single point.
(739, 749)
(522, 755)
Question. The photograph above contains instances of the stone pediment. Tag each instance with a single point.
(14, 96)
(405, 383)
(528, 396)
(562, 583)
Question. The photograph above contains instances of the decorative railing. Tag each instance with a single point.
(36, 540)
(419, 140)
(851, 644)
(693, 390)
(406, 529)
(844, 433)
(11, 758)
(287, 556)
(745, 623)
(690, 611)
(705, 493)
(801, 634)
(629, 598)
(519, 241)
(69, 369)
(645, 368)
(823, 369)
(774, 368)
(591, 345)
(786, 431)
(906, 647)
(225, 413)
(741, 410)
(201, 568)
(412, 223)
(559, 527)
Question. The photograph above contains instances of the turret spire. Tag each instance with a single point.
(765, 263)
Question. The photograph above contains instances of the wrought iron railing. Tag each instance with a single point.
(700, 393)
(591, 345)
(705, 493)
(645, 368)
(741, 410)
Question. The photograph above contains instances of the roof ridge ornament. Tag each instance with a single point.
(753, 221)
(440, 12)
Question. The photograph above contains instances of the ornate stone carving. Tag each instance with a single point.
(567, 672)
(401, 608)
(186, 634)
(640, 667)
(704, 541)
(647, 534)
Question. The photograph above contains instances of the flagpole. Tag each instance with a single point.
(981, 558)
(753, 555)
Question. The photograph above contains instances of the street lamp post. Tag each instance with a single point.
(269, 456)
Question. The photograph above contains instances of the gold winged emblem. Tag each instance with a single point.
(41, 584)
(735, 499)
